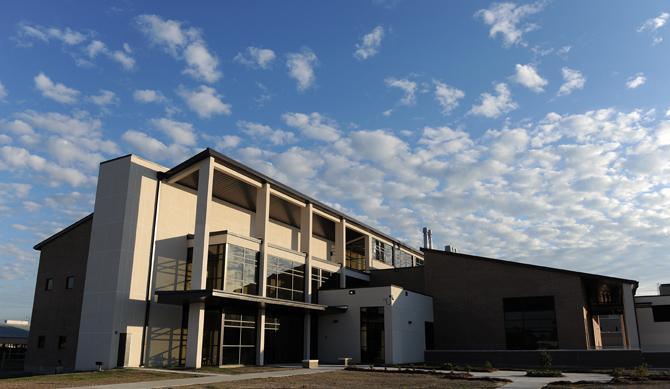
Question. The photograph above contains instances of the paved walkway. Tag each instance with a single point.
(212, 378)
(520, 381)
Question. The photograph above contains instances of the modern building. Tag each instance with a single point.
(653, 318)
(210, 263)
(500, 311)
(213, 263)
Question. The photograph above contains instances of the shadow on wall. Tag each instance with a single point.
(170, 264)
(163, 346)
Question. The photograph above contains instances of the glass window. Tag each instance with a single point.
(355, 254)
(215, 260)
(403, 259)
(418, 261)
(40, 341)
(241, 273)
(239, 339)
(62, 342)
(49, 284)
(69, 282)
(322, 279)
(530, 323)
(188, 268)
(286, 279)
(383, 252)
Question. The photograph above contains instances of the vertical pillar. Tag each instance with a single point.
(196, 314)
(368, 252)
(260, 337)
(306, 223)
(341, 249)
(262, 219)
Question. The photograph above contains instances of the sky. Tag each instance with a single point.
(530, 131)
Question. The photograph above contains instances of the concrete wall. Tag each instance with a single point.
(118, 263)
(339, 333)
(57, 312)
(654, 336)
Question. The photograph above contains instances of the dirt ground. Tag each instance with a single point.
(354, 379)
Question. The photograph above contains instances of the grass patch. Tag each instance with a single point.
(544, 373)
(87, 378)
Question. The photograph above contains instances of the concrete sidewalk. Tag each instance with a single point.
(520, 381)
(212, 378)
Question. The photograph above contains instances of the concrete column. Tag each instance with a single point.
(368, 251)
(196, 314)
(341, 248)
(306, 223)
(260, 337)
(630, 316)
(262, 219)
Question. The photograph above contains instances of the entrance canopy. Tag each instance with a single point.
(219, 297)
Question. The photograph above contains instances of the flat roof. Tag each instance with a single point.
(528, 265)
(209, 152)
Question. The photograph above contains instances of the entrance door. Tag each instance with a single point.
(372, 334)
(121, 355)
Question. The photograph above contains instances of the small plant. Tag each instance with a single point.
(451, 366)
(468, 369)
(488, 366)
(545, 360)
(618, 372)
(642, 371)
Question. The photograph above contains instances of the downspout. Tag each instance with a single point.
(152, 255)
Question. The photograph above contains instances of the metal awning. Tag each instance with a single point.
(220, 297)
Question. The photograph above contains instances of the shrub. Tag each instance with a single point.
(545, 360)
(618, 372)
(488, 366)
(642, 371)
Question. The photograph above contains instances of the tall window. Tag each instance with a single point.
(69, 282)
(41, 340)
(286, 279)
(62, 342)
(215, 260)
(383, 252)
(239, 339)
(530, 323)
(355, 254)
(49, 285)
(403, 259)
(241, 270)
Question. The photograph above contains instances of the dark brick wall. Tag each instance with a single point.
(57, 312)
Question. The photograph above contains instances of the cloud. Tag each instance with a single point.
(20, 159)
(528, 76)
(204, 101)
(407, 86)
(148, 96)
(264, 132)
(181, 133)
(28, 33)
(492, 106)
(572, 80)
(55, 91)
(3, 92)
(507, 19)
(636, 81)
(653, 24)
(447, 96)
(369, 46)
(256, 58)
(228, 141)
(183, 43)
(313, 126)
(153, 148)
(301, 68)
(104, 98)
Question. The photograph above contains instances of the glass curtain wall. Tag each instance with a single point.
(239, 338)
(530, 323)
(355, 254)
(286, 279)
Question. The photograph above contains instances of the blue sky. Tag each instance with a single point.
(533, 131)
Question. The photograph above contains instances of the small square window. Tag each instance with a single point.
(62, 342)
(49, 284)
(69, 282)
(40, 341)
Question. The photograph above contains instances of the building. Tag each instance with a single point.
(500, 311)
(13, 344)
(206, 263)
(653, 318)
(213, 263)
